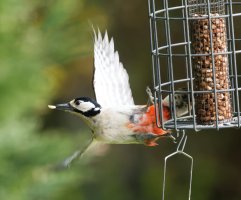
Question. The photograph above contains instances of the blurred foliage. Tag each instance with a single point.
(45, 57)
(38, 40)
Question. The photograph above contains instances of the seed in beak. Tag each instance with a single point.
(52, 107)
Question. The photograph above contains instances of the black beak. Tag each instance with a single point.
(64, 107)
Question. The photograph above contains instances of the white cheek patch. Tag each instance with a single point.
(85, 106)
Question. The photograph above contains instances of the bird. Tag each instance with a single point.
(113, 116)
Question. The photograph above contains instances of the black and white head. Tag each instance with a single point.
(83, 106)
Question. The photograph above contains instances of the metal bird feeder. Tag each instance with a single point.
(194, 46)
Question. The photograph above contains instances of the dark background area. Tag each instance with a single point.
(46, 56)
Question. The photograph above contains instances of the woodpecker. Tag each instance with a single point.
(113, 117)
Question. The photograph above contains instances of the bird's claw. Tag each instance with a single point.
(169, 135)
(150, 95)
(67, 162)
(173, 138)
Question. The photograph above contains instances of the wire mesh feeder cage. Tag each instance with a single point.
(194, 47)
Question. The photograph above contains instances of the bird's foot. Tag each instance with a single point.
(77, 154)
(67, 162)
(150, 95)
(173, 138)
(169, 135)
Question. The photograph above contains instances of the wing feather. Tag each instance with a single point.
(111, 81)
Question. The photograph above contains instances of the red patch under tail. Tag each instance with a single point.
(147, 124)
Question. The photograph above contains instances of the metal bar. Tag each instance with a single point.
(213, 17)
(187, 6)
(190, 64)
(234, 60)
(150, 9)
(187, 125)
(160, 118)
(213, 62)
(200, 54)
(202, 91)
(168, 53)
(230, 57)
(173, 103)
(197, 55)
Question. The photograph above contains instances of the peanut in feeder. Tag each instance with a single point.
(211, 68)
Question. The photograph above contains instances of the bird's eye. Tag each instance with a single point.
(77, 103)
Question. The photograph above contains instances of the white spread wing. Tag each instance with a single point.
(111, 81)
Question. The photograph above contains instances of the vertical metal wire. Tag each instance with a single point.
(230, 57)
(213, 61)
(160, 87)
(156, 67)
(190, 64)
(165, 6)
(170, 63)
(150, 9)
(186, 58)
(234, 59)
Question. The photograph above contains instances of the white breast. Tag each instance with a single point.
(111, 125)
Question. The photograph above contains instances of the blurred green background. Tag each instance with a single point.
(46, 56)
